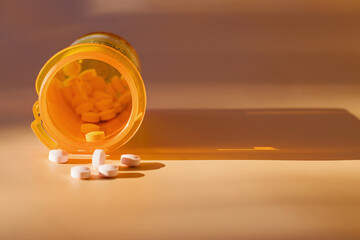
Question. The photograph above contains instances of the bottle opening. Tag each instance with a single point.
(89, 95)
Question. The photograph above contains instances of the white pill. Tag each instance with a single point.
(58, 156)
(80, 172)
(108, 170)
(130, 160)
(98, 158)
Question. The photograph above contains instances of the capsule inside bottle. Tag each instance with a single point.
(89, 91)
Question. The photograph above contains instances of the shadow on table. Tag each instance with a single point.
(145, 166)
(274, 134)
(120, 175)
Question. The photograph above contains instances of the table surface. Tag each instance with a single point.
(175, 199)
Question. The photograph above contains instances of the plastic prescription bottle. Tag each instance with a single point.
(97, 76)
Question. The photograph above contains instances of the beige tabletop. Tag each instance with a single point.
(195, 198)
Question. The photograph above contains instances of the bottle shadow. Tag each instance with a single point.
(78, 161)
(264, 134)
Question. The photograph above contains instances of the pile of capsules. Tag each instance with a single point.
(98, 163)
(93, 99)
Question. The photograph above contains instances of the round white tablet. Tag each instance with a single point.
(98, 158)
(58, 156)
(130, 160)
(108, 170)
(82, 172)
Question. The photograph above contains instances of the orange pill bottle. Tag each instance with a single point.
(86, 72)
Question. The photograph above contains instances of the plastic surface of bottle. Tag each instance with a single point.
(76, 81)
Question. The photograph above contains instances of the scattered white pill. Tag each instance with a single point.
(58, 156)
(108, 170)
(98, 158)
(82, 172)
(130, 160)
